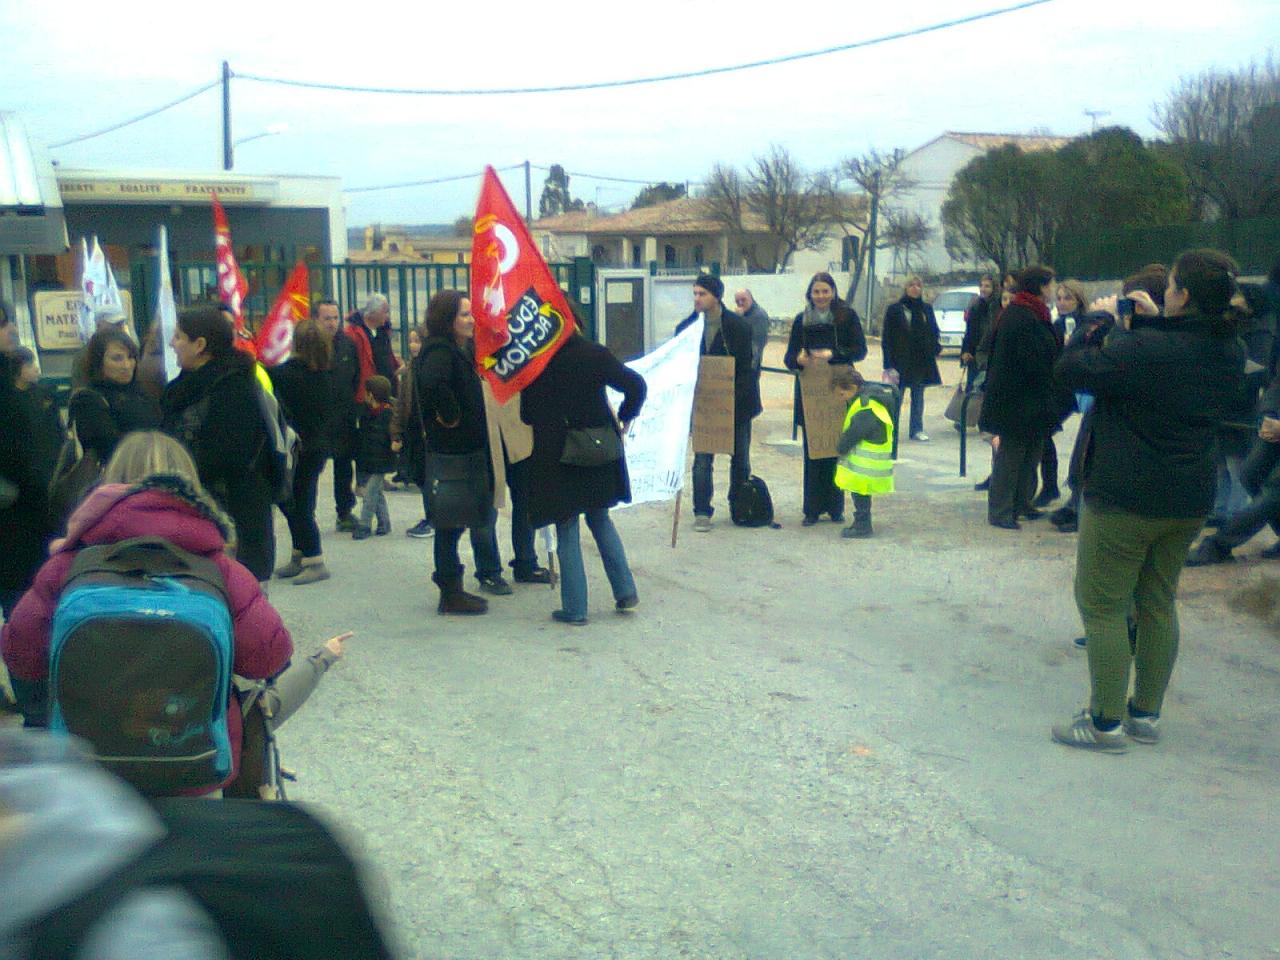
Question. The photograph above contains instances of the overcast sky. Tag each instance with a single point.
(73, 67)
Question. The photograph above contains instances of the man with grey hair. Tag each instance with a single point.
(375, 321)
(755, 315)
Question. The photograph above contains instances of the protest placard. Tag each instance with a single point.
(823, 409)
(713, 406)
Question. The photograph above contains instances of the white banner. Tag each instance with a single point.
(658, 440)
(166, 315)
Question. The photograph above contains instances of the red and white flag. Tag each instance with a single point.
(275, 339)
(232, 286)
(522, 317)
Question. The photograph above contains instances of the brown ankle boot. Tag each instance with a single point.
(453, 599)
(313, 571)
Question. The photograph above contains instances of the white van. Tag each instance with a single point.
(949, 308)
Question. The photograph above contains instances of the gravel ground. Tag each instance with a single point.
(798, 746)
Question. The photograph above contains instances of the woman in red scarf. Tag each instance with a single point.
(1018, 407)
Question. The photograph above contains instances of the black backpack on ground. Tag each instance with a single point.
(273, 879)
(750, 504)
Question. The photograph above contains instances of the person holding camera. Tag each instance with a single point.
(1161, 384)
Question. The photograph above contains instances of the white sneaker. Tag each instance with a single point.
(701, 524)
(920, 436)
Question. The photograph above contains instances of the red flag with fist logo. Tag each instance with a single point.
(522, 317)
(275, 339)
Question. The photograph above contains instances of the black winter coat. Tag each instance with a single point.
(384, 356)
(1020, 398)
(29, 442)
(734, 340)
(1161, 391)
(373, 441)
(976, 323)
(911, 342)
(450, 398)
(306, 396)
(844, 338)
(214, 412)
(106, 411)
(570, 393)
(345, 384)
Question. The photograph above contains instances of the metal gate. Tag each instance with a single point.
(407, 286)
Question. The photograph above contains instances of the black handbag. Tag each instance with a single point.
(460, 492)
(591, 446)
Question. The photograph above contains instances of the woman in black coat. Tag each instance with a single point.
(110, 404)
(827, 331)
(911, 344)
(459, 473)
(304, 386)
(1019, 407)
(569, 394)
(212, 407)
(29, 440)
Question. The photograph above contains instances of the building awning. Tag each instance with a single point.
(31, 217)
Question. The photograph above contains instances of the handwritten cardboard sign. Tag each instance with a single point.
(823, 409)
(713, 406)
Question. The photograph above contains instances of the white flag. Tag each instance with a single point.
(89, 281)
(166, 315)
(658, 440)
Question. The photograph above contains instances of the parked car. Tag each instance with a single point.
(949, 307)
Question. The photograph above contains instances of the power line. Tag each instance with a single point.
(427, 183)
(610, 84)
(142, 116)
(592, 176)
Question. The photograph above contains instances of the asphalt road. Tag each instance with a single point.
(798, 746)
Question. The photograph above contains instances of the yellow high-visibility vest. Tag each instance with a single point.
(868, 467)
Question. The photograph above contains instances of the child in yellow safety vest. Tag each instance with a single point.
(865, 467)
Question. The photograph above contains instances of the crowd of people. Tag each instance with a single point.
(1157, 452)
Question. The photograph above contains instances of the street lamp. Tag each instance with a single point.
(273, 130)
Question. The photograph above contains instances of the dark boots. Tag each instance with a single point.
(453, 599)
(861, 526)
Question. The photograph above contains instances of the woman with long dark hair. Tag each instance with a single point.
(827, 331)
(458, 469)
(304, 387)
(109, 402)
(1161, 383)
(212, 407)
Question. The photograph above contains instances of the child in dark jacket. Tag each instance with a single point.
(375, 457)
(865, 466)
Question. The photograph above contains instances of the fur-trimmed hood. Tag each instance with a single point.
(162, 506)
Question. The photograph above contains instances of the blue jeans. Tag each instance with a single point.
(739, 470)
(484, 550)
(573, 577)
(917, 408)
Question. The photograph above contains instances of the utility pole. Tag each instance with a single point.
(228, 154)
(528, 193)
(871, 242)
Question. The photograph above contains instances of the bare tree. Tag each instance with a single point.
(795, 209)
(904, 233)
(1222, 128)
(879, 177)
(726, 204)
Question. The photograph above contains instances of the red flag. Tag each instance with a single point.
(522, 317)
(275, 338)
(232, 287)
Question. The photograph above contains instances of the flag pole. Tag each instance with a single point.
(675, 518)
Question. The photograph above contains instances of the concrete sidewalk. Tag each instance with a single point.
(799, 746)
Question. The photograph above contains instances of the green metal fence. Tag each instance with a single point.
(1107, 254)
(407, 286)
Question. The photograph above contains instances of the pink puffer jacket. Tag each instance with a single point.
(164, 508)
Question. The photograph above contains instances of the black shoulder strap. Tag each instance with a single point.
(146, 556)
